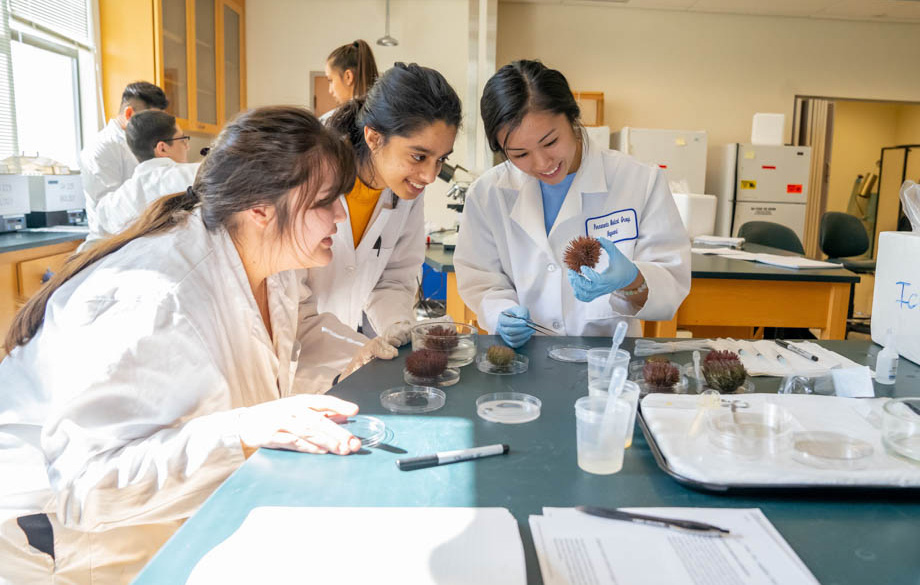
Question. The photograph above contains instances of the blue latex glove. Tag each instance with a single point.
(514, 331)
(591, 284)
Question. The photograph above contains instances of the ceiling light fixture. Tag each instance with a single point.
(386, 40)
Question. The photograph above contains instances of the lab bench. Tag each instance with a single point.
(27, 257)
(728, 297)
(844, 537)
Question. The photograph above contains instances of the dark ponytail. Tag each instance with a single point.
(257, 159)
(405, 99)
(358, 58)
(520, 88)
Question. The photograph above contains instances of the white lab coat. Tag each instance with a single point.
(155, 349)
(151, 180)
(505, 258)
(376, 280)
(105, 163)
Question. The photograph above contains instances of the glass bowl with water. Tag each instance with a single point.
(901, 428)
(457, 340)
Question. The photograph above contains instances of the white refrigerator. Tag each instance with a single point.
(681, 153)
(761, 183)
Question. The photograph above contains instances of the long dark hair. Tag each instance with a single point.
(358, 58)
(520, 88)
(404, 100)
(257, 159)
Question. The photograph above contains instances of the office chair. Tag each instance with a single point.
(842, 236)
(767, 233)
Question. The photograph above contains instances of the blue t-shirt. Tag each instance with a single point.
(553, 196)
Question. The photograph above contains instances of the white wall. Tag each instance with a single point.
(712, 72)
(287, 39)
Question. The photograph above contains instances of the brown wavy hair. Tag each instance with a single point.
(359, 58)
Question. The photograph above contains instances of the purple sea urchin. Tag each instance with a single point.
(660, 374)
(441, 338)
(582, 251)
(426, 363)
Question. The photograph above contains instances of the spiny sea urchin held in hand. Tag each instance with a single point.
(723, 371)
(660, 374)
(500, 356)
(426, 363)
(441, 337)
(582, 251)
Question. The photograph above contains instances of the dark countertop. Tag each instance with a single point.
(702, 266)
(33, 238)
(843, 537)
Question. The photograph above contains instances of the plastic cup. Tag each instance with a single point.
(600, 440)
(597, 368)
(630, 394)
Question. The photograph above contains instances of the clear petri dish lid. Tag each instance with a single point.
(576, 354)
(369, 429)
(828, 450)
(412, 399)
(509, 408)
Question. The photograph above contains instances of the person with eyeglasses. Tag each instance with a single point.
(156, 140)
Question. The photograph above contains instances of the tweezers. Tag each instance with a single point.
(533, 325)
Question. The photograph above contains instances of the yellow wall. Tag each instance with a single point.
(861, 129)
(694, 71)
(908, 126)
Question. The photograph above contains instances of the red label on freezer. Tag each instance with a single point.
(663, 166)
(769, 167)
(793, 188)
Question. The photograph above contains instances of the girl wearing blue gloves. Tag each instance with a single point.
(554, 186)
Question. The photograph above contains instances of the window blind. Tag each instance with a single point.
(9, 141)
(67, 18)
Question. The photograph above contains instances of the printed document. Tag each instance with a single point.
(577, 549)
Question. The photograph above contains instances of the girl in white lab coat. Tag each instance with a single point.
(153, 363)
(554, 186)
(401, 132)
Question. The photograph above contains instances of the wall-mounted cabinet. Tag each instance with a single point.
(193, 49)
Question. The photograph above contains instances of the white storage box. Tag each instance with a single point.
(56, 192)
(14, 195)
(896, 301)
(698, 212)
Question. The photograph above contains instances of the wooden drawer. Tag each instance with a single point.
(32, 272)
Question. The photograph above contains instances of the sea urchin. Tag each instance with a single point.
(426, 363)
(441, 337)
(582, 251)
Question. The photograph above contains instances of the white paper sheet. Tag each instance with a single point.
(421, 546)
(577, 549)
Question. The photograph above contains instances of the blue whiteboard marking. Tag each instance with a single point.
(910, 301)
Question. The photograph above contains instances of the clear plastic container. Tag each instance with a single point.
(370, 429)
(756, 433)
(412, 399)
(827, 450)
(901, 428)
(576, 354)
(457, 340)
(508, 407)
(518, 365)
(448, 377)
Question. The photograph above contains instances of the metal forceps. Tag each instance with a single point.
(533, 325)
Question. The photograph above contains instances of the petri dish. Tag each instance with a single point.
(518, 365)
(508, 408)
(412, 399)
(369, 429)
(751, 434)
(448, 377)
(576, 354)
(828, 450)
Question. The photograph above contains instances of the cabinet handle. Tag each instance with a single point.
(48, 275)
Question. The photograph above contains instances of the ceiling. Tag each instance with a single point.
(862, 10)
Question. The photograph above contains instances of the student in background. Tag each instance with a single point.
(554, 186)
(106, 161)
(401, 132)
(174, 345)
(351, 71)
(162, 149)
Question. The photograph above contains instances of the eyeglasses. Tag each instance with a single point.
(177, 138)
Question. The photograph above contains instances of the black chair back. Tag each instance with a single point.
(842, 235)
(767, 233)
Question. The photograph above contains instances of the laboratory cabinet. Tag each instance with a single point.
(193, 49)
(27, 261)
